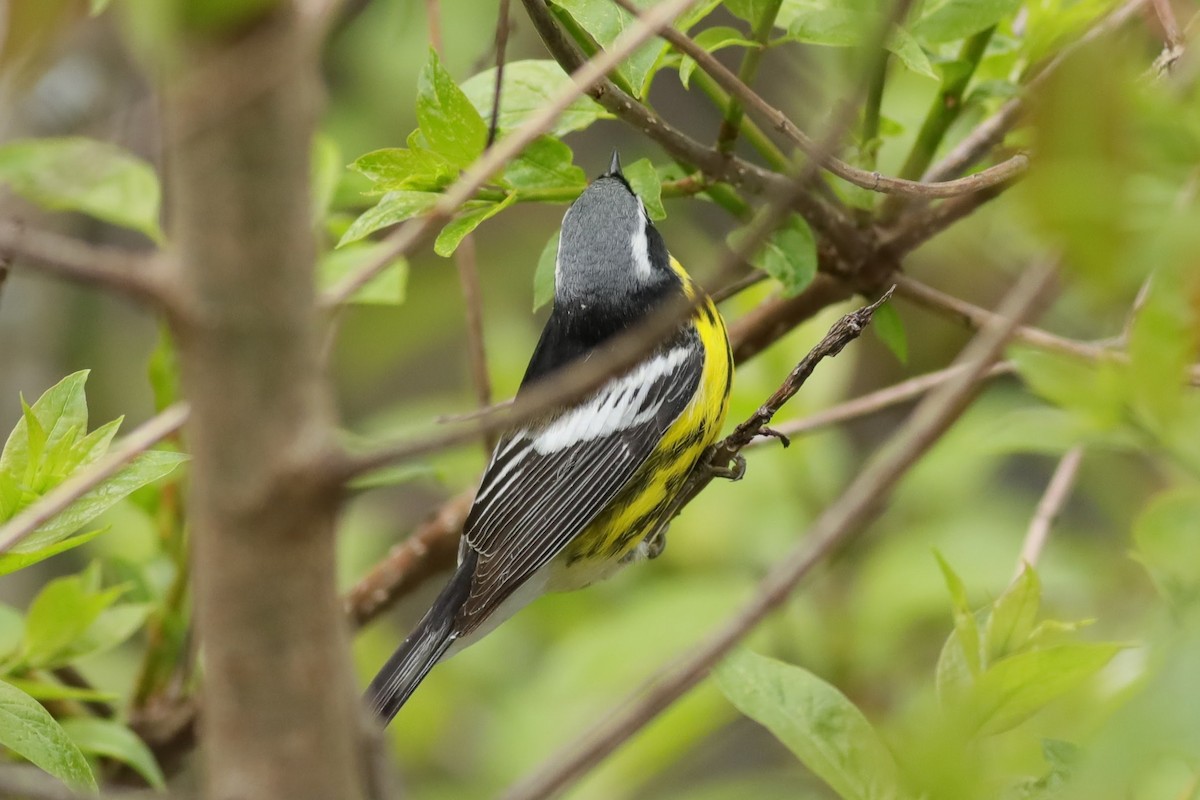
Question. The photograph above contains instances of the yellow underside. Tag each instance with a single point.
(638, 510)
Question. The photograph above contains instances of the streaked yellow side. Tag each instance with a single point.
(640, 508)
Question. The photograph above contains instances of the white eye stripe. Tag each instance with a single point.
(641, 245)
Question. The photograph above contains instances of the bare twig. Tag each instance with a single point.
(876, 401)
(502, 25)
(77, 485)
(416, 231)
(433, 23)
(1048, 508)
(429, 550)
(135, 275)
(468, 279)
(857, 506)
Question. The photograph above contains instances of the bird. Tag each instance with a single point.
(573, 496)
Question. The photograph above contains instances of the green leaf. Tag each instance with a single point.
(1015, 688)
(712, 40)
(827, 25)
(60, 412)
(890, 329)
(112, 628)
(78, 174)
(1096, 391)
(789, 256)
(905, 47)
(543, 276)
(529, 86)
(966, 628)
(96, 7)
(28, 730)
(606, 21)
(448, 121)
(104, 737)
(389, 285)
(12, 629)
(395, 168)
(59, 616)
(646, 185)
(950, 20)
(163, 370)
(816, 722)
(1012, 616)
(1161, 346)
(448, 240)
(395, 475)
(56, 691)
(546, 163)
(393, 207)
(144, 469)
(326, 172)
(1167, 544)
(11, 562)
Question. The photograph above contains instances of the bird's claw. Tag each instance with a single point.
(734, 471)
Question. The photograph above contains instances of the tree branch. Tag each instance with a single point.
(875, 402)
(134, 275)
(1048, 508)
(60, 498)
(847, 517)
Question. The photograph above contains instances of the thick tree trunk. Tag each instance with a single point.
(279, 715)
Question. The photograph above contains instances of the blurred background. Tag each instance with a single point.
(875, 618)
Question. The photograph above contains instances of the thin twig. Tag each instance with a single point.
(61, 497)
(1048, 508)
(135, 275)
(431, 548)
(875, 402)
(847, 517)
(433, 23)
(468, 279)
(416, 231)
(502, 25)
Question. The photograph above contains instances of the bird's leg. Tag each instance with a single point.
(735, 470)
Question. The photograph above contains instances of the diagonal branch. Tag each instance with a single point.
(1053, 499)
(138, 276)
(858, 505)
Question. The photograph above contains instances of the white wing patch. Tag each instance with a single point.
(618, 405)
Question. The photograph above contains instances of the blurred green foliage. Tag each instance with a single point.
(914, 664)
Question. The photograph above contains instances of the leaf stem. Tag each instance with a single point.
(755, 135)
(942, 114)
(732, 124)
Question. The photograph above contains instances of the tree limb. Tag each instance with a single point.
(137, 276)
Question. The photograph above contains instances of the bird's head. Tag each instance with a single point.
(609, 252)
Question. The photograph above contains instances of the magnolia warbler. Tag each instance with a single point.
(569, 499)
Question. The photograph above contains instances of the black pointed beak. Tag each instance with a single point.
(614, 168)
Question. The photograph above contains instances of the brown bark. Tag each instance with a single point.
(279, 714)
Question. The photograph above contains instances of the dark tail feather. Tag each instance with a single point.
(411, 662)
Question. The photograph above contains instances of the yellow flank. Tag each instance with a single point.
(639, 509)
